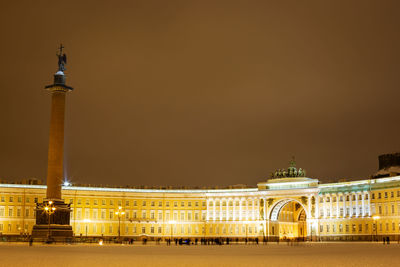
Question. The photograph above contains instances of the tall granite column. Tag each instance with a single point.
(55, 224)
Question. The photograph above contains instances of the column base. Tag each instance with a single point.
(60, 229)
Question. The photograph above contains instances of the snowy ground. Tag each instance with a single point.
(316, 254)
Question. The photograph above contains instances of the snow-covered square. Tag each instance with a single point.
(303, 254)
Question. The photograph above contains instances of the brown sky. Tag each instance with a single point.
(201, 92)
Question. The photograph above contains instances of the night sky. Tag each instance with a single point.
(201, 93)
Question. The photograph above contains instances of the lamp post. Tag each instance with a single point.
(171, 223)
(49, 209)
(119, 213)
(87, 221)
(376, 218)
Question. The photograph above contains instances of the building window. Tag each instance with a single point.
(10, 212)
(152, 204)
(135, 203)
(127, 203)
(182, 204)
(159, 230)
(2, 212)
(3, 199)
(103, 202)
(386, 195)
(340, 227)
(360, 227)
(379, 196)
(143, 230)
(160, 204)
(167, 204)
(144, 203)
(366, 196)
(152, 229)
(321, 228)
(392, 194)
(196, 203)
(87, 202)
(175, 204)
(95, 202)
(11, 199)
(347, 228)
(341, 198)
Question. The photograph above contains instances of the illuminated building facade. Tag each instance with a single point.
(286, 206)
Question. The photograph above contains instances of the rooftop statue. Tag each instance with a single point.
(62, 59)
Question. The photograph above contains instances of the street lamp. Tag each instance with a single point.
(119, 213)
(87, 221)
(49, 209)
(171, 223)
(376, 218)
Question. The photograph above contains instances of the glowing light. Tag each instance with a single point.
(86, 220)
(172, 222)
(66, 183)
(101, 242)
(46, 208)
(50, 202)
(376, 217)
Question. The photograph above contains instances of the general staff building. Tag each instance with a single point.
(287, 206)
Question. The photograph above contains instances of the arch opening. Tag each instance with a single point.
(289, 220)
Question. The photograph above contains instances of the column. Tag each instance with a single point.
(363, 204)
(369, 204)
(240, 209)
(207, 211)
(351, 204)
(357, 205)
(234, 209)
(220, 209)
(337, 205)
(214, 209)
(227, 208)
